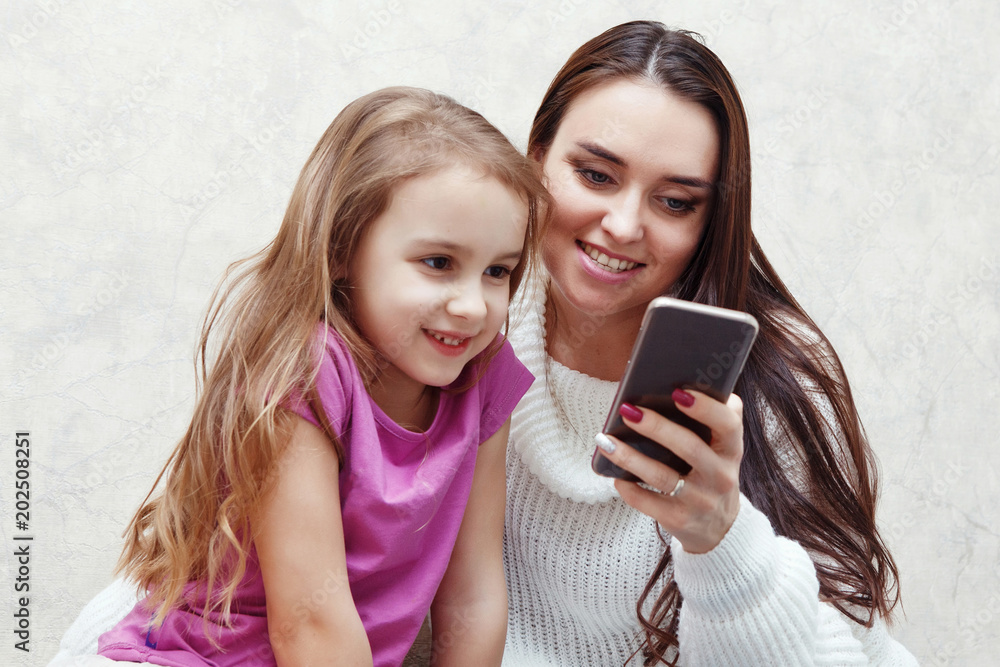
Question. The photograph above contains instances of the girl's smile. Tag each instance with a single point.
(432, 277)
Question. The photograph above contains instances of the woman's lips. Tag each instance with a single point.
(612, 264)
(602, 270)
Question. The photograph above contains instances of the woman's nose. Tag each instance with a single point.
(623, 219)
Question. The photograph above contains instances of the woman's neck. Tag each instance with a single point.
(594, 344)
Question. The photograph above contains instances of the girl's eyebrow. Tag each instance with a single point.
(604, 154)
(437, 245)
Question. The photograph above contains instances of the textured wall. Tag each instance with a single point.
(144, 147)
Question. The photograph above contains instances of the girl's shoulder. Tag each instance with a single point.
(500, 386)
(335, 379)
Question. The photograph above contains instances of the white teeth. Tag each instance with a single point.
(447, 341)
(614, 265)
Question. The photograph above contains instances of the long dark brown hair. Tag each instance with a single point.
(822, 492)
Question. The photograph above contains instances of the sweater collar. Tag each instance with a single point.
(553, 429)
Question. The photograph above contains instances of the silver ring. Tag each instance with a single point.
(677, 487)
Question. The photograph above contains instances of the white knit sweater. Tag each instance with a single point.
(578, 557)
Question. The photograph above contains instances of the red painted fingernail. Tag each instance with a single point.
(630, 412)
(681, 397)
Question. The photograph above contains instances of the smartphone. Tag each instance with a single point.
(680, 345)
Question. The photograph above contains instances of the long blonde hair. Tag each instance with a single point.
(262, 321)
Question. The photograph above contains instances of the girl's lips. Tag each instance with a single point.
(452, 345)
(595, 269)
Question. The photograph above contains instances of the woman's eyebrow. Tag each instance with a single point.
(604, 154)
(690, 181)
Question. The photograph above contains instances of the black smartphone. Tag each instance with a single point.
(681, 345)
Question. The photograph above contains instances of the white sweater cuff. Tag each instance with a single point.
(740, 571)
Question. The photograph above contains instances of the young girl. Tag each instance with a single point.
(344, 469)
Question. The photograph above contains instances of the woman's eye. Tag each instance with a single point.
(595, 177)
(436, 263)
(676, 205)
(498, 272)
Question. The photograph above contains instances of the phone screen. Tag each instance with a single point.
(680, 345)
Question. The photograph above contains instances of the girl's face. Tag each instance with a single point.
(632, 170)
(432, 275)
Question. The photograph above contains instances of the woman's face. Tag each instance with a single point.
(632, 170)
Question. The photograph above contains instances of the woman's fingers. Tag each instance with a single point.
(655, 474)
(698, 508)
(724, 420)
(668, 512)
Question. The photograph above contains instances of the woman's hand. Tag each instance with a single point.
(701, 512)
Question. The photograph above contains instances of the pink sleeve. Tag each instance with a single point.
(501, 387)
(333, 383)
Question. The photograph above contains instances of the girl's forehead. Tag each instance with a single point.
(458, 201)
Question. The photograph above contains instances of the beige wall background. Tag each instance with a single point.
(145, 146)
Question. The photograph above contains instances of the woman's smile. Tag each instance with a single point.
(607, 260)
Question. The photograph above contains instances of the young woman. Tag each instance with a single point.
(343, 471)
(767, 552)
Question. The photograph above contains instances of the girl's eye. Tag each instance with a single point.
(498, 272)
(436, 263)
(594, 177)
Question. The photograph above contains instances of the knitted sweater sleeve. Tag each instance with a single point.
(754, 600)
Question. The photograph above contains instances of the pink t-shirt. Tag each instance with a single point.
(402, 495)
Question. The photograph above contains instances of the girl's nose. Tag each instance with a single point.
(468, 300)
